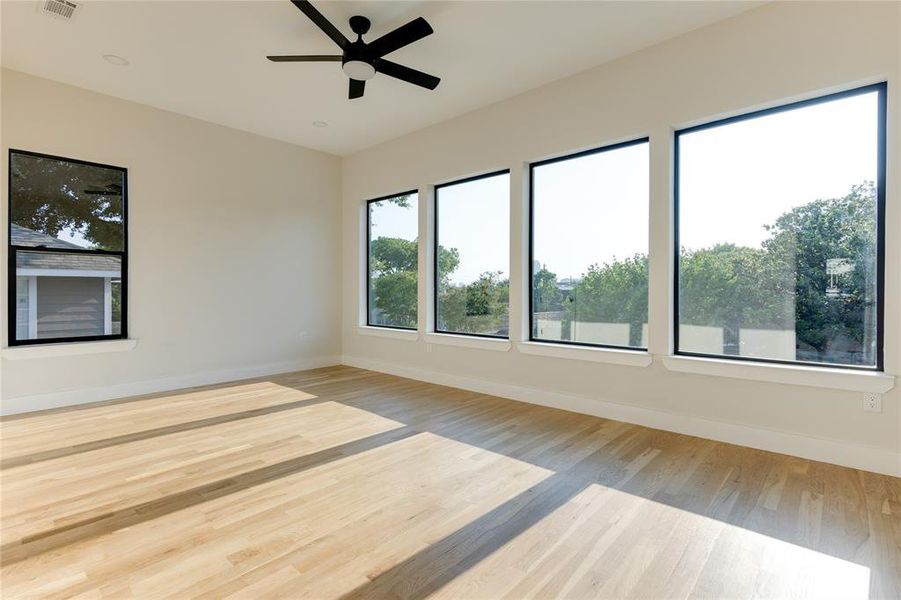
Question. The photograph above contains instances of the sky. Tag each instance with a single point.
(814, 152)
(591, 209)
(474, 218)
(74, 236)
(594, 209)
(390, 220)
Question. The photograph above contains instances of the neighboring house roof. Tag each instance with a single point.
(68, 262)
(22, 236)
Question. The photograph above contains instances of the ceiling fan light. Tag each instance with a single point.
(359, 70)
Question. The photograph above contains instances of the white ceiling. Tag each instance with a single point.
(207, 59)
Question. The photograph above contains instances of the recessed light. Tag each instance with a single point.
(115, 60)
(320, 124)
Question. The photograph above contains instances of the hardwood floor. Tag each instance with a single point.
(344, 483)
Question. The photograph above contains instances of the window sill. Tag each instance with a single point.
(67, 349)
(841, 379)
(389, 332)
(633, 358)
(466, 341)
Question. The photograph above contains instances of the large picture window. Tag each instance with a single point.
(393, 258)
(779, 233)
(589, 247)
(472, 256)
(67, 250)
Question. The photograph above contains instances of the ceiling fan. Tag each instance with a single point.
(113, 189)
(361, 60)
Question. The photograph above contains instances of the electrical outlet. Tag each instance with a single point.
(872, 402)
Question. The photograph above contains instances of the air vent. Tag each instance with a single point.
(64, 10)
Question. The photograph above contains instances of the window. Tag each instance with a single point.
(780, 234)
(472, 256)
(67, 250)
(589, 247)
(393, 258)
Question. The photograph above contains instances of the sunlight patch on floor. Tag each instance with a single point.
(46, 431)
(602, 540)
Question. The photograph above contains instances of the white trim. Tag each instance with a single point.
(23, 404)
(107, 306)
(825, 377)
(67, 349)
(837, 452)
(468, 341)
(32, 307)
(425, 296)
(66, 273)
(518, 251)
(389, 332)
(616, 356)
(363, 264)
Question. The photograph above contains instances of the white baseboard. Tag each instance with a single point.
(22, 404)
(867, 458)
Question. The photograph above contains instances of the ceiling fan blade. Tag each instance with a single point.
(356, 89)
(113, 189)
(392, 69)
(416, 29)
(306, 58)
(330, 30)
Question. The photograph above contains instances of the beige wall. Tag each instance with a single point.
(777, 53)
(233, 239)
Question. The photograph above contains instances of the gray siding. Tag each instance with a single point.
(70, 306)
(21, 308)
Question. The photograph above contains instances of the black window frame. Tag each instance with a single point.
(881, 89)
(13, 249)
(532, 166)
(369, 322)
(435, 245)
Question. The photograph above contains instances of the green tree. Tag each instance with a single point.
(830, 308)
(732, 287)
(448, 261)
(49, 195)
(784, 284)
(613, 293)
(477, 307)
(393, 264)
(393, 275)
(546, 294)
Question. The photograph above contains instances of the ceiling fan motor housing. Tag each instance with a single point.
(356, 62)
(360, 25)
